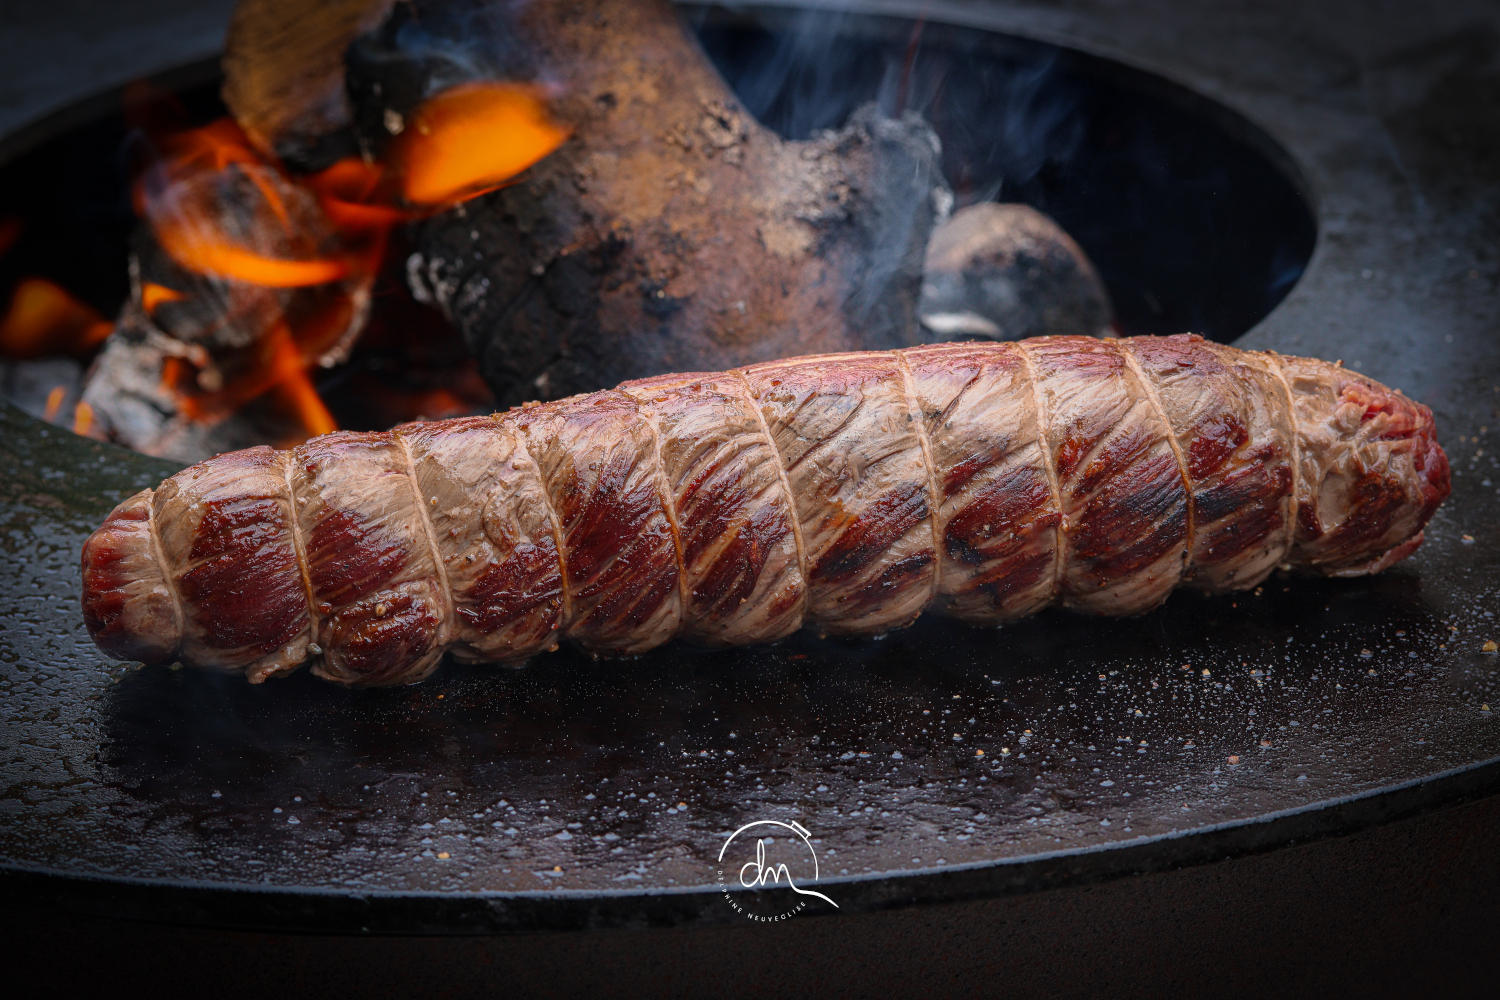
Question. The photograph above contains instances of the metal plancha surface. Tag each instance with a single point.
(938, 763)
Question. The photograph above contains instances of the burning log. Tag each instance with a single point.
(239, 283)
(246, 277)
(672, 231)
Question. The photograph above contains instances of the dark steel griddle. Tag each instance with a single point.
(578, 795)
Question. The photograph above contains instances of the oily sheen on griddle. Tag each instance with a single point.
(845, 492)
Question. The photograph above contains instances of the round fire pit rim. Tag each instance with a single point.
(244, 906)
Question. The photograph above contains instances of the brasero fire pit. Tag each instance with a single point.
(1140, 782)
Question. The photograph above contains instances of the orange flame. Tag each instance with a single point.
(54, 403)
(209, 252)
(462, 142)
(199, 245)
(154, 295)
(213, 146)
(355, 195)
(176, 376)
(284, 372)
(44, 319)
(184, 222)
(289, 370)
(471, 139)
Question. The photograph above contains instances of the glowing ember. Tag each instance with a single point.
(44, 319)
(83, 418)
(54, 403)
(176, 375)
(472, 138)
(83, 413)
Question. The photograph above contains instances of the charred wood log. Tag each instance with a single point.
(1008, 272)
(673, 231)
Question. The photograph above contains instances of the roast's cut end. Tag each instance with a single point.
(129, 611)
(1373, 471)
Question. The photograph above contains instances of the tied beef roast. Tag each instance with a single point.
(847, 492)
